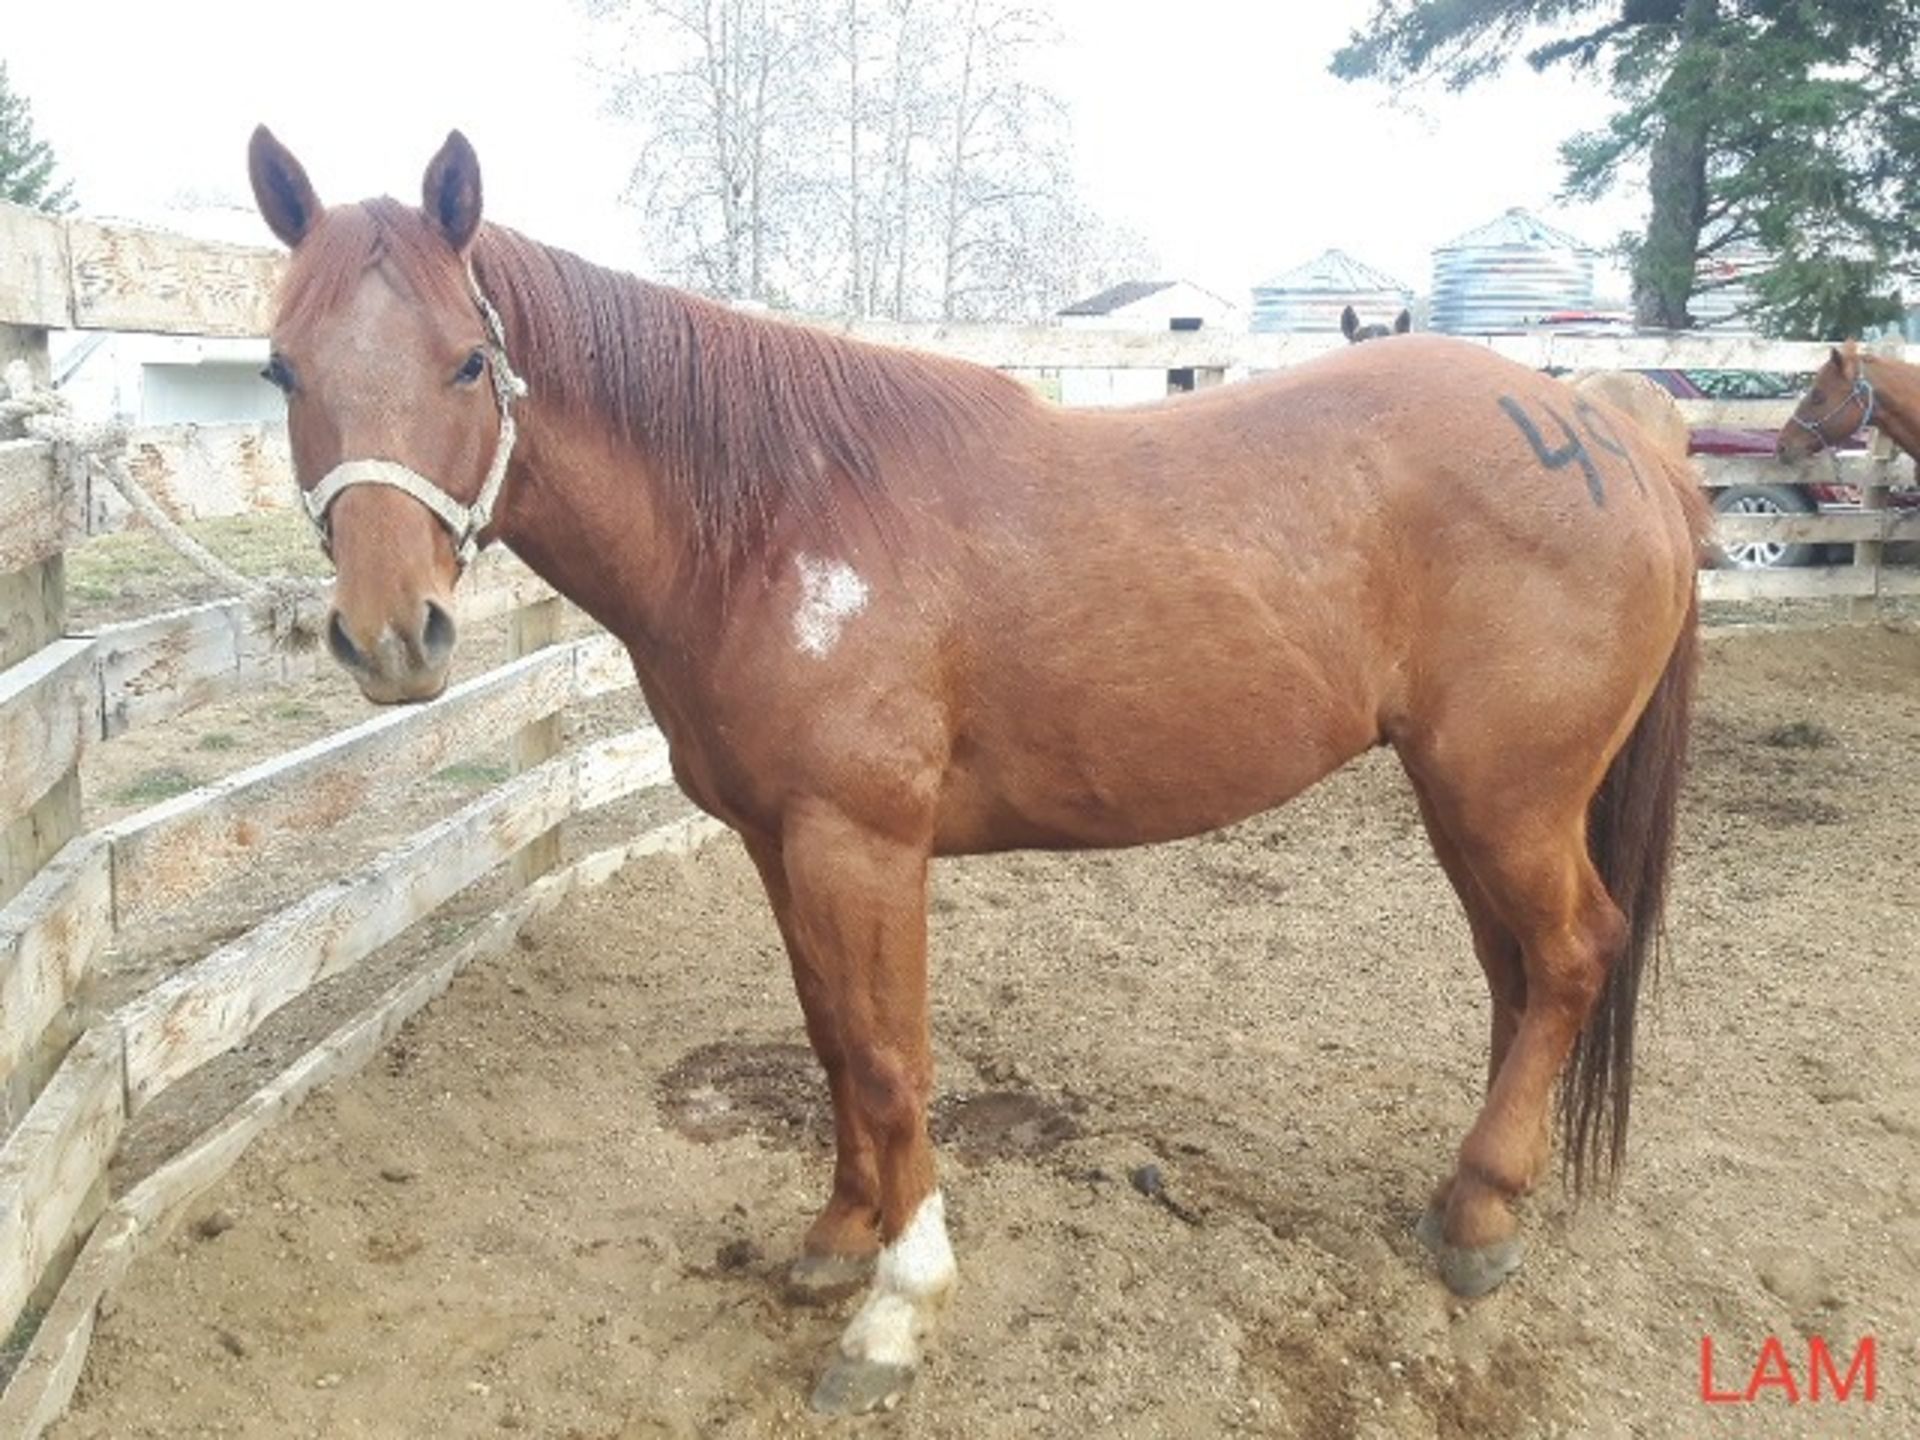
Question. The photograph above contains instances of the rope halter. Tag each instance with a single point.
(463, 522)
(1862, 392)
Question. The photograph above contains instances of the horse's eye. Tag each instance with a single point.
(278, 373)
(475, 367)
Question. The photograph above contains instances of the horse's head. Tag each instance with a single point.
(1839, 403)
(1355, 332)
(397, 405)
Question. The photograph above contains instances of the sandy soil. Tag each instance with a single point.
(560, 1204)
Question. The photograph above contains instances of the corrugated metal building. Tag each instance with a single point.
(1509, 275)
(1309, 299)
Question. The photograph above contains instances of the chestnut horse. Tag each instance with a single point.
(1851, 391)
(886, 605)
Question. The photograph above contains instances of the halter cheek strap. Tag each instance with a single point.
(464, 522)
(1862, 391)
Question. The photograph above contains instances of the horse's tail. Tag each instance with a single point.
(1630, 825)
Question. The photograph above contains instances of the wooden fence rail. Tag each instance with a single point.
(43, 675)
(59, 926)
(49, 1371)
(90, 275)
(213, 1006)
(52, 1164)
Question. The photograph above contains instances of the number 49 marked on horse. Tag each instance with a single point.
(887, 606)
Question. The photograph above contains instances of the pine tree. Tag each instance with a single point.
(1784, 124)
(26, 161)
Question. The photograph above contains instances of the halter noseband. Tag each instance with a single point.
(463, 522)
(1862, 391)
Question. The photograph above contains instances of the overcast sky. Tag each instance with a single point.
(1211, 127)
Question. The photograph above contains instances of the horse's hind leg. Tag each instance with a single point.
(838, 1251)
(1500, 961)
(1519, 832)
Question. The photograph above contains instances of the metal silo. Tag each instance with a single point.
(1509, 275)
(1308, 300)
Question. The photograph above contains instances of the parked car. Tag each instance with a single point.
(1823, 497)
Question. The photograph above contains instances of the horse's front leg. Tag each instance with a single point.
(838, 1251)
(857, 903)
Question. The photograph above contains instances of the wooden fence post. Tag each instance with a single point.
(1868, 555)
(33, 614)
(530, 628)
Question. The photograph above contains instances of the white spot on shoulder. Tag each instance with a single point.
(831, 594)
(910, 1282)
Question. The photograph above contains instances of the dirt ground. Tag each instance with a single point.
(560, 1204)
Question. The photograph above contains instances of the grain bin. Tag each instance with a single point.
(1308, 300)
(1508, 276)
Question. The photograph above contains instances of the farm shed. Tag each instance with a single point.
(1172, 305)
(159, 379)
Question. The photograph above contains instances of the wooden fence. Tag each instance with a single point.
(69, 1080)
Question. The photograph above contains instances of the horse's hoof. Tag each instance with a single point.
(856, 1387)
(822, 1279)
(1469, 1273)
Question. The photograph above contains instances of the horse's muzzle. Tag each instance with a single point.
(400, 664)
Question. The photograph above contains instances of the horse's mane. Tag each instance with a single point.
(743, 420)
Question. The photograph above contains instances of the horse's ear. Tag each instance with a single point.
(1349, 322)
(450, 193)
(281, 188)
(1403, 322)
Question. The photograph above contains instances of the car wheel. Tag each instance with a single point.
(1763, 500)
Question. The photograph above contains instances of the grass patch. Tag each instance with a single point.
(135, 572)
(474, 774)
(14, 1349)
(155, 786)
(218, 741)
(296, 710)
(444, 929)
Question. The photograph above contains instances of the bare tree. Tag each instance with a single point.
(878, 157)
(884, 118)
(1006, 159)
(723, 108)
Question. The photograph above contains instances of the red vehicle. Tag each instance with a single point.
(1822, 497)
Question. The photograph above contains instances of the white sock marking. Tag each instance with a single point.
(912, 1277)
(831, 594)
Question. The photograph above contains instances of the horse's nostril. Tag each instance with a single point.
(438, 635)
(341, 644)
